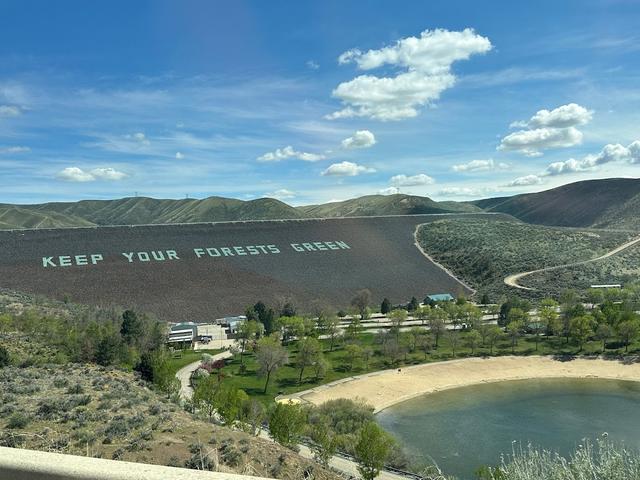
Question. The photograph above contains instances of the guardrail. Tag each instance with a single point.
(19, 464)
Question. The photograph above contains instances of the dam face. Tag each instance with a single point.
(199, 272)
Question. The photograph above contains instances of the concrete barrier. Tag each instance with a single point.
(19, 464)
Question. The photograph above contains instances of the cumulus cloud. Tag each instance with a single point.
(609, 154)
(525, 181)
(479, 166)
(548, 129)
(9, 111)
(179, 156)
(288, 152)
(282, 194)
(360, 139)
(532, 142)
(76, 174)
(18, 149)
(411, 181)
(570, 115)
(389, 191)
(346, 169)
(425, 62)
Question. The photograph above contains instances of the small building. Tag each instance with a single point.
(440, 297)
(184, 333)
(231, 323)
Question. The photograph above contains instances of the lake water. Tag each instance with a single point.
(464, 428)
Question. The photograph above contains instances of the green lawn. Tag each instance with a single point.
(286, 379)
(182, 358)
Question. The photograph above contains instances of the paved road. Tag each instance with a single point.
(512, 280)
(184, 374)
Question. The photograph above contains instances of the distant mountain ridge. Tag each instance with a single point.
(607, 203)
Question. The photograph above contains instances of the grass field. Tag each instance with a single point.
(182, 358)
(483, 253)
(286, 380)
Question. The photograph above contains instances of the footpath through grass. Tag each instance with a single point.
(342, 365)
(182, 358)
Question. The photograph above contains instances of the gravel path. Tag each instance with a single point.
(512, 280)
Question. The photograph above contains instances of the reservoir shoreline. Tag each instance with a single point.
(385, 388)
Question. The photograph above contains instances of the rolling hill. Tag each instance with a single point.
(144, 210)
(606, 203)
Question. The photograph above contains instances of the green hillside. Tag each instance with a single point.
(385, 205)
(12, 217)
(611, 203)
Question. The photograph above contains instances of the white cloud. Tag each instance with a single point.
(525, 181)
(139, 137)
(108, 174)
(312, 65)
(346, 169)
(459, 192)
(532, 142)
(287, 153)
(18, 149)
(426, 61)
(76, 174)
(9, 111)
(570, 115)
(179, 156)
(282, 194)
(611, 153)
(479, 166)
(411, 181)
(389, 191)
(548, 129)
(360, 139)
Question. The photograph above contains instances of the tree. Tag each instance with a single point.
(412, 337)
(248, 330)
(204, 395)
(581, 329)
(270, 356)
(493, 335)
(320, 367)
(286, 423)
(366, 355)
(252, 414)
(353, 352)
(288, 310)
(603, 333)
(514, 329)
(325, 442)
(453, 338)
(424, 343)
(422, 314)
(228, 402)
(131, 327)
(473, 340)
(436, 325)
(628, 331)
(309, 352)
(361, 301)
(372, 450)
(413, 304)
(292, 327)
(485, 300)
(397, 317)
(332, 330)
(266, 316)
(385, 307)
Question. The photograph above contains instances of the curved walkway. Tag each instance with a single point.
(184, 374)
(512, 280)
(388, 387)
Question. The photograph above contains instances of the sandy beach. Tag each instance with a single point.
(388, 387)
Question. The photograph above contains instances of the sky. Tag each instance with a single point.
(315, 101)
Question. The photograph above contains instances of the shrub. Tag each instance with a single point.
(4, 357)
(18, 421)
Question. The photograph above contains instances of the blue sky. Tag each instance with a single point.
(314, 101)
